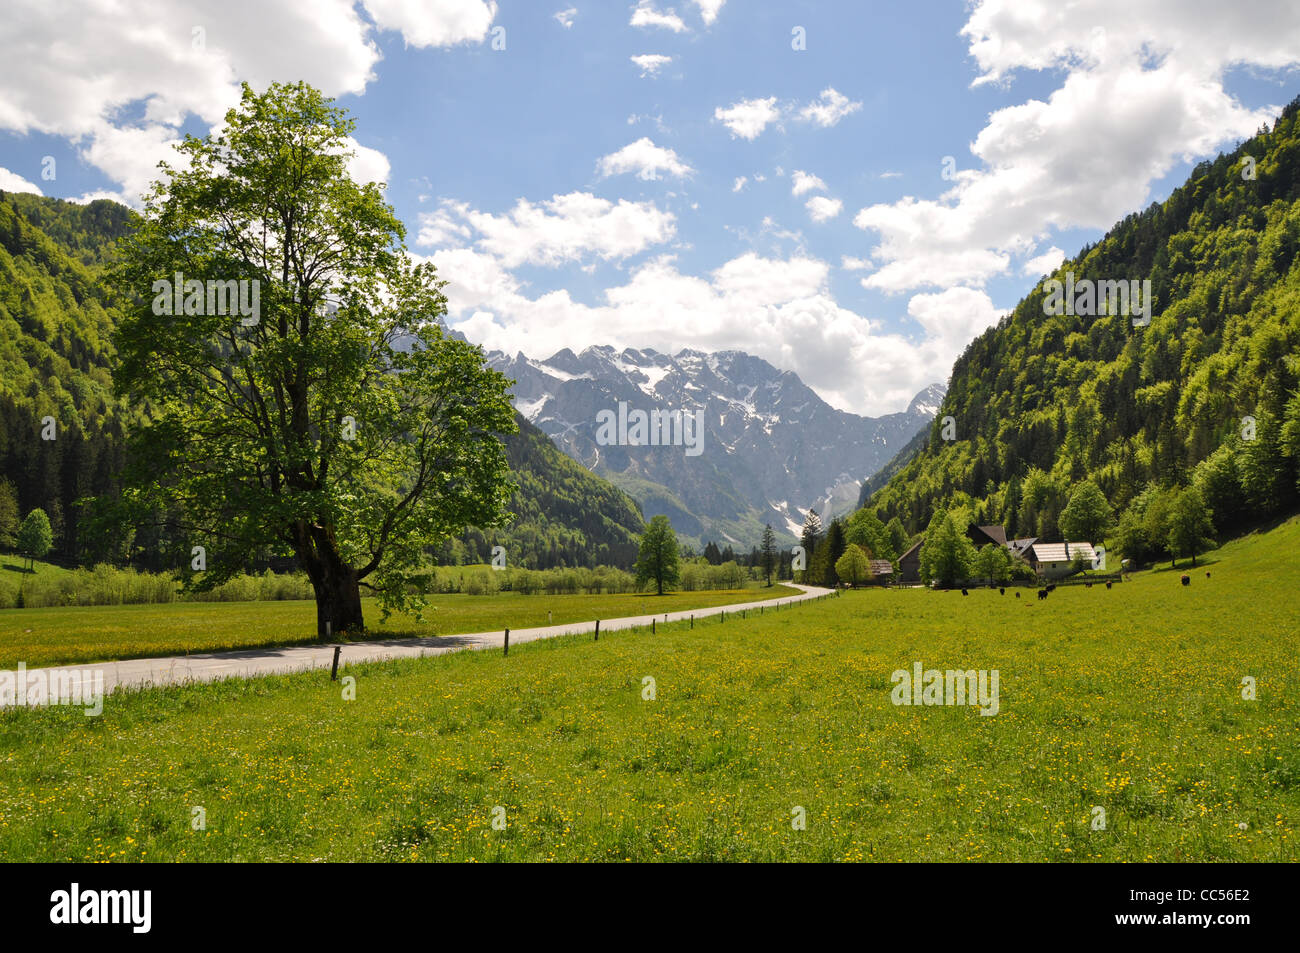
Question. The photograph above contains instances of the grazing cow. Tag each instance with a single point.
(1207, 574)
(1087, 585)
(1107, 585)
(1042, 593)
(965, 593)
(1002, 590)
(1052, 587)
(1187, 580)
(1017, 595)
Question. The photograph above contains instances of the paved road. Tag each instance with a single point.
(179, 669)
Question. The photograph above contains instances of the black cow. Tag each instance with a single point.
(1107, 585)
(1042, 593)
(1002, 590)
(1017, 595)
(1187, 580)
(1207, 574)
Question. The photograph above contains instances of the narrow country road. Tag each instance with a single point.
(247, 663)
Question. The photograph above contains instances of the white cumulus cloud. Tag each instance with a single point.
(13, 182)
(748, 118)
(709, 10)
(1146, 79)
(823, 209)
(651, 63)
(646, 14)
(567, 228)
(829, 108)
(71, 75)
(801, 182)
(444, 23)
(645, 159)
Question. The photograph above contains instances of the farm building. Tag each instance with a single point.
(909, 564)
(1020, 547)
(1055, 560)
(882, 570)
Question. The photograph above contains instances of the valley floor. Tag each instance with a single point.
(77, 634)
(1128, 705)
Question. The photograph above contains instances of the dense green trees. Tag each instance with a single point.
(879, 542)
(8, 513)
(1171, 521)
(1207, 395)
(658, 560)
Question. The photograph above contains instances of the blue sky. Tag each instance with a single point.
(574, 195)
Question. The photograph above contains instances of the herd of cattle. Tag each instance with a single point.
(1043, 592)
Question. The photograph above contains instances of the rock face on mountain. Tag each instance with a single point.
(768, 449)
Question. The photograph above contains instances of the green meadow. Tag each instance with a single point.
(75, 634)
(1129, 700)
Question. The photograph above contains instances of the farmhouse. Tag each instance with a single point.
(1055, 560)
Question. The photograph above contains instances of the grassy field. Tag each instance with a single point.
(74, 634)
(1127, 699)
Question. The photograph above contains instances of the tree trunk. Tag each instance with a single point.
(338, 604)
(338, 595)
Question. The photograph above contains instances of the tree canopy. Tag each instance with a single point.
(328, 416)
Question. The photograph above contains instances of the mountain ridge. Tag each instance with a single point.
(772, 447)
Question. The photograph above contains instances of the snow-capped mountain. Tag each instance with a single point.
(770, 447)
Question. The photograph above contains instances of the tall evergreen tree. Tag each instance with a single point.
(767, 553)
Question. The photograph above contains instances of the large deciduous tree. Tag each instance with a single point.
(658, 559)
(947, 556)
(1088, 516)
(35, 537)
(1191, 529)
(853, 567)
(337, 423)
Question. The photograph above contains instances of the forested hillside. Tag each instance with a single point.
(1202, 399)
(56, 354)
